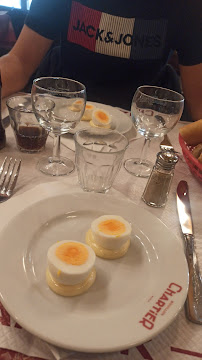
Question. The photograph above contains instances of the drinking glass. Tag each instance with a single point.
(30, 136)
(155, 111)
(69, 98)
(98, 157)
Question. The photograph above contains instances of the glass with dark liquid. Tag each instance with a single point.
(30, 138)
(29, 134)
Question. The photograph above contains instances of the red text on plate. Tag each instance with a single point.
(164, 301)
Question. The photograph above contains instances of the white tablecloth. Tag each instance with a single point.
(182, 339)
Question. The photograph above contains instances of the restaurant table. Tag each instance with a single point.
(180, 340)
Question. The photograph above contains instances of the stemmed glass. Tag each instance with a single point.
(68, 99)
(155, 111)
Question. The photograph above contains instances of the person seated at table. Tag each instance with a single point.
(110, 46)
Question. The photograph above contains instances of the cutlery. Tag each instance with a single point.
(9, 172)
(166, 144)
(193, 304)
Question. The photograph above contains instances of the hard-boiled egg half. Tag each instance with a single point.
(101, 119)
(87, 116)
(77, 105)
(109, 236)
(70, 269)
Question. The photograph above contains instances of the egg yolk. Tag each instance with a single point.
(72, 253)
(78, 102)
(112, 227)
(89, 106)
(102, 116)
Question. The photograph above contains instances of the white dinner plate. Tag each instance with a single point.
(133, 298)
(121, 122)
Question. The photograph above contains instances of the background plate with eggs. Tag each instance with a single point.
(132, 299)
(119, 120)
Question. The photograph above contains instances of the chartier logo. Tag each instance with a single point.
(115, 36)
(161, 306)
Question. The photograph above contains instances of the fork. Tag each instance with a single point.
(9, 172)
(166, 144)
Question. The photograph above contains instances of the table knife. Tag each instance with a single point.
(193, 305)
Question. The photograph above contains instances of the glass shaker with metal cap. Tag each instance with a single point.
(158, 185)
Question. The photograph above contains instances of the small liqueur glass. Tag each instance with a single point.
(63, 117)
(29, 134)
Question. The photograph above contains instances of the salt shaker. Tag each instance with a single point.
(158, 185)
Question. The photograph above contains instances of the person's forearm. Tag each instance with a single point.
(191, 77)
(194, 105)
(24, 58)
(13, 75)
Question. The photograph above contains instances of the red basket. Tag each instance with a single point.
(194, 165)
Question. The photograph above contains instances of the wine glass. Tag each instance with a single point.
(155, 111)
(67, 100)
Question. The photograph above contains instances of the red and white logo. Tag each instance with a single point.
(114, 35)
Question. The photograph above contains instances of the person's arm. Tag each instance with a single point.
(191, 77)
(186, 35)
(19, 64)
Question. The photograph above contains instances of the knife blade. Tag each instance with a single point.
(193, 305)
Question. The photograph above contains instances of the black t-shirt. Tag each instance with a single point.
(113, 46)
(17, 17)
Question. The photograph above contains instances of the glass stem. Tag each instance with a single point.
(145, 147)
(56, 148)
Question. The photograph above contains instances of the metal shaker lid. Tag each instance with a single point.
(167, 159)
